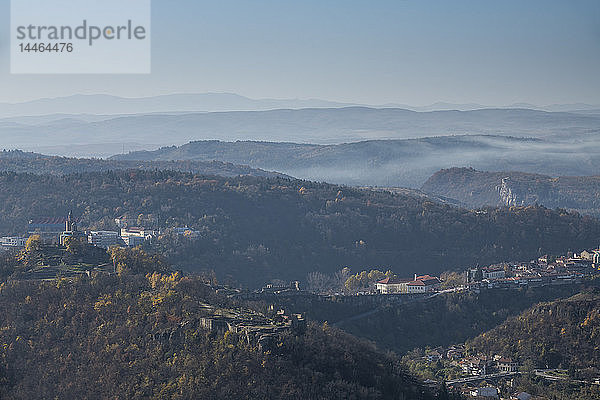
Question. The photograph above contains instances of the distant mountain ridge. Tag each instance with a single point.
(201, 102)
(477, 189)
(68, 134)
(211, 102)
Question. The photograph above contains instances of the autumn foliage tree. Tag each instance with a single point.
(136, 261)
(32, 254)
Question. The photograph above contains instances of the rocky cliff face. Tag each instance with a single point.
(507, 196)
(478, 189)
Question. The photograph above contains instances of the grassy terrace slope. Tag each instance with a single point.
(256, 229)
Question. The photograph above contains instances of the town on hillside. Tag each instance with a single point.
(137, 230)
(483, 376)
(543, 271)
(475, 376)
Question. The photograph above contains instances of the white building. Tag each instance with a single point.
(103, 238)
(493, 273)
(420, 284)
(423, 284)
(133, 241)
(136, 236)
(13, 241)
(392, 286)
(507, 365)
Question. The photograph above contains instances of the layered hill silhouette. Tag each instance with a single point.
(98, 133)
(213, 102)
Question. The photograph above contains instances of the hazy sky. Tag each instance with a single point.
(369, 51)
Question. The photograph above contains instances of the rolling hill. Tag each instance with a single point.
(213, 102)
(557, 333)
(394, 162)
(140, 337)
(33, 163)
(251, 230)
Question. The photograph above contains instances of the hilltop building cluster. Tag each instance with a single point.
(479, 376)
(50, 229)
(255, 328)
(542, 271)
(58, 229)
(456, 356)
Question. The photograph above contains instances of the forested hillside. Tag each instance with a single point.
(253, 229)
(440, 321)
(448, 319)
(478, 189)
(136, 337)
(560, 333)
(25, 162)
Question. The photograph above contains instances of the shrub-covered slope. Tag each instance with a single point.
(562, 332)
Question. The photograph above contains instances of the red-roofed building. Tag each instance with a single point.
(391, 286)
(48, 228)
